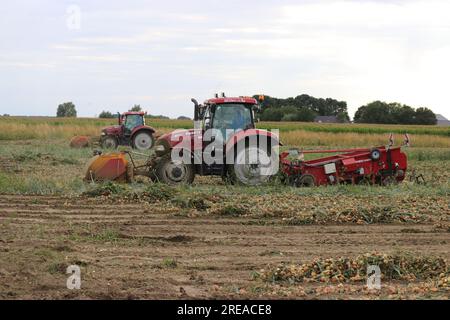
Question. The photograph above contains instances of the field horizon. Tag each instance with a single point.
(303, 243)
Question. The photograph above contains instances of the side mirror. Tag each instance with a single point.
(207, 123)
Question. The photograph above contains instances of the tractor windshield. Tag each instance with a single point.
(132, 122)
(232, 116)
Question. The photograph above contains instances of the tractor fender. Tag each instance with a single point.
(241, 136)
(142, 128)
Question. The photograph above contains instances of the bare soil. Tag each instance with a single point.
(148, 251)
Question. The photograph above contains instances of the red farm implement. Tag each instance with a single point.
(381, 165)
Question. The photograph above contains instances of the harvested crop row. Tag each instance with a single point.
(402, 266)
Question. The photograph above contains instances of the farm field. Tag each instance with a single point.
(213, 240)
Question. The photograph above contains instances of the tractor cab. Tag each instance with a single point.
(131, 120)
(226, 115)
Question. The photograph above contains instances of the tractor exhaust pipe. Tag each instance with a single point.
(196, 109)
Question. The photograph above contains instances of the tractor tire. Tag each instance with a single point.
(253, 174)
(109, 142)
(143, 141)
(169, 172)
(388, 181)
(305, 180)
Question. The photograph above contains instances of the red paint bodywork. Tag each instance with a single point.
(139, 113)
(189, 136)
(186, 138)
(141, 128)
(241, 135)
(118, 130)
(351, 166)
(113, 130)
(245, 100)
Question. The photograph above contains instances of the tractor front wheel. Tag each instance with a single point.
(174, 172)
(109, 142)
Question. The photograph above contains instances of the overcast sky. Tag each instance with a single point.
(159, 54)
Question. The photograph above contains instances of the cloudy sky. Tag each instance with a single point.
(113, 54)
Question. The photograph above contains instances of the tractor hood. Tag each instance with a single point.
(169, 140)
(112, 130)
(176, 136)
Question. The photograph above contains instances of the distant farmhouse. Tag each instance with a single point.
(326, 119)
(442, 121)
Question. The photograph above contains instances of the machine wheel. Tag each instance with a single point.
(366, 181)
(305, 180)
(389, 181)
(253, 166)
(170, 172)
(375, 154)
(109, 142)
(143, 141)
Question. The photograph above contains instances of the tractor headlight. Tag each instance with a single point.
(160, 148)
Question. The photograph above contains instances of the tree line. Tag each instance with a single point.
(135, 108)
(306, 108)
(302, 108)
(394, 113)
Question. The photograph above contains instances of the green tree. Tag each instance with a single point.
(374, 112)
(106, 115)
(425, 116)
(343, 117)
(394, 113)
(136, 108)
(294, 108)
(402, 114)
(66, 109)
(271, 114)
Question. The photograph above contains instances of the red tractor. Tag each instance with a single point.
(223, 139)
(131, 130)
(225, 142)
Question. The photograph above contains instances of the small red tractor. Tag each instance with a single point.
(131, 130)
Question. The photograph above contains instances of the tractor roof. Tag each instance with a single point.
(129, 113)
(245, 100)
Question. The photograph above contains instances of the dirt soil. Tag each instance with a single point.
(133, 251)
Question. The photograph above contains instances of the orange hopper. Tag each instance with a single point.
(107, 167)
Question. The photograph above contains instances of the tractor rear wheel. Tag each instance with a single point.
(109, 142)
(143, 141)
(253, 166)
(171, 172)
